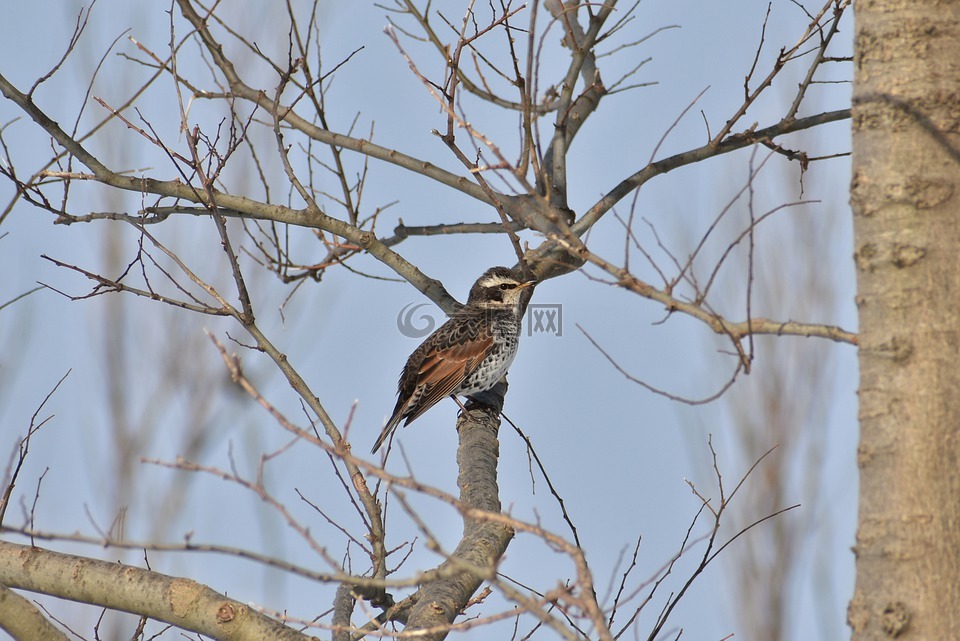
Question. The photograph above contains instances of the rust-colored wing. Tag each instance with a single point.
(443, 370)
(436, 368)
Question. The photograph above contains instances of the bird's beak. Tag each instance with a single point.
(526, 284)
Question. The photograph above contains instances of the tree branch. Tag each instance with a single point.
(709, 150)
(484, 541)
(186, 604)
(23, 620)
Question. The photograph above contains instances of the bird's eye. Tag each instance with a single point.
(506, 286)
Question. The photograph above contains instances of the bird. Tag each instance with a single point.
(466, 355)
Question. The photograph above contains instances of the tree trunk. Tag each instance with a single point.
(906, 202)
(441, 600)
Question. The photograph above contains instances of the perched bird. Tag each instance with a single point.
(466, 355)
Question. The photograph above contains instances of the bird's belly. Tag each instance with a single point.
(486, 376)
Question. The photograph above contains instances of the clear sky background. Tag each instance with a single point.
(619, 454)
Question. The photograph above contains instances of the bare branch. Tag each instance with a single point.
(23, 620)
(180, 602)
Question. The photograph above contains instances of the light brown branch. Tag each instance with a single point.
(23, 620)
(186, 604)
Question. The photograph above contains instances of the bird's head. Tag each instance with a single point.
(498, 287)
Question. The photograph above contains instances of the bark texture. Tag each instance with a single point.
(484, 541)
(21, 619)
(180, 602)
(906, 201)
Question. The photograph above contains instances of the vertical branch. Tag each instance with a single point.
(484, 541)
(582, 63)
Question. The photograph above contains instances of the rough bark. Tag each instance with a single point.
(484, 541)
(906, 201)
(180, 602)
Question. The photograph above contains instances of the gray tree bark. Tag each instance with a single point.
(484, 542)
(906, 202)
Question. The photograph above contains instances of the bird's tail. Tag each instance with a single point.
(387, 430)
